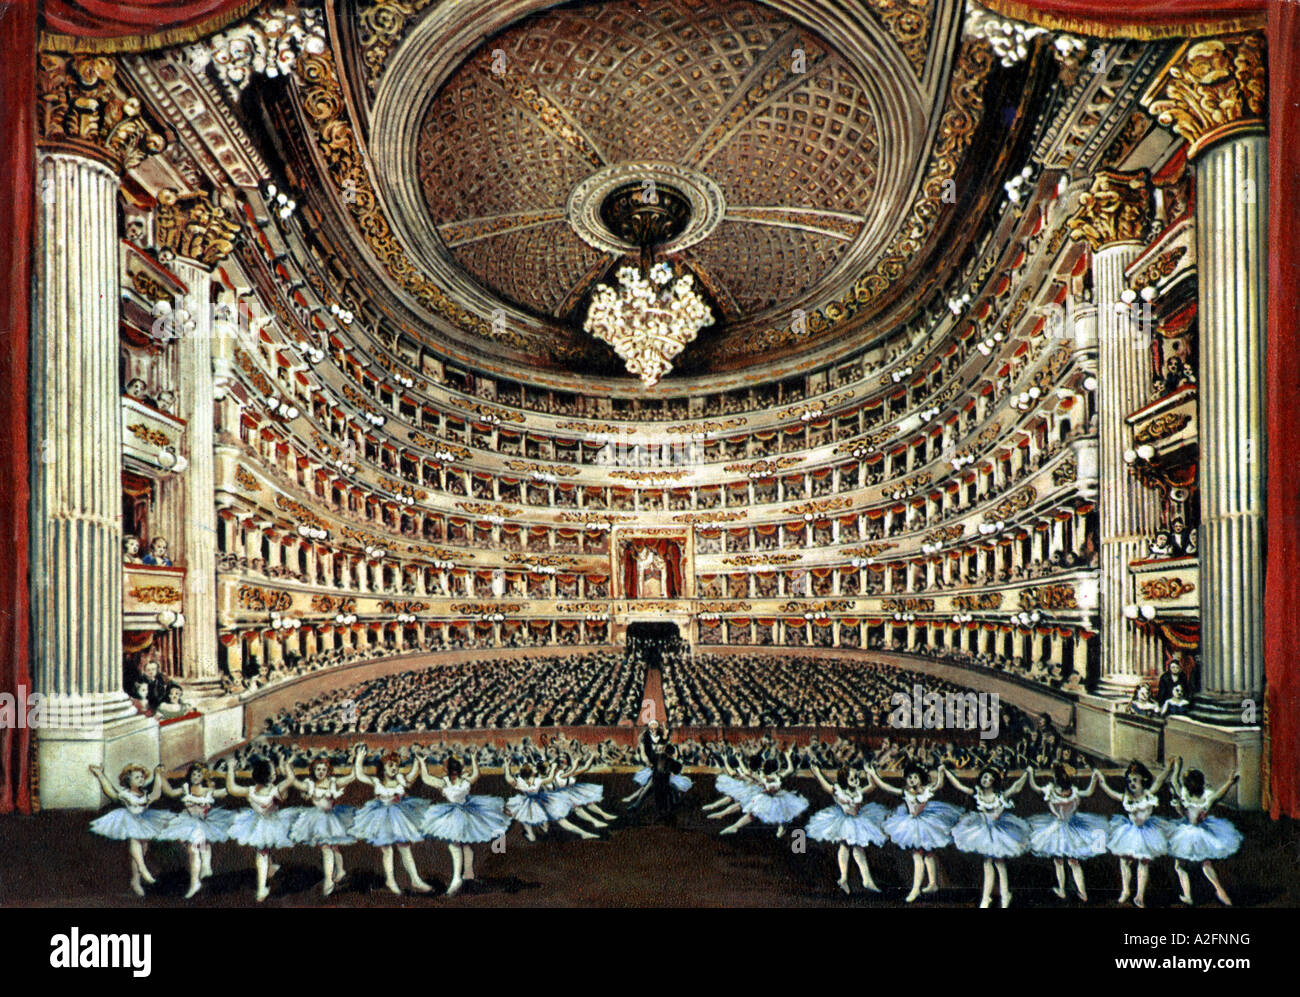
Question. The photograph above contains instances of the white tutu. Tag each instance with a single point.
(1128, 840)
(931, 829)
(1003, 838)
(478, 819)
(1212, 838)
(313, 826)
(538, 808)
(262, 831)
(198, 830)
(582, 793)
(1083, 836)
(780, 807)
(382, 824)
(641, 776)
(682, 784)
(122, 825)
(739, 790)
(834, 825)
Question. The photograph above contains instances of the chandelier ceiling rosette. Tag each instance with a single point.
(652, 313)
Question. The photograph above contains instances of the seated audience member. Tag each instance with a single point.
(158, 553)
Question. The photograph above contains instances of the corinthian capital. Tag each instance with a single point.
(82, 105)
(1210, 89)
(196, 226)
(1116, 208)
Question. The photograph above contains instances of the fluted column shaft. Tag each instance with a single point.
(76, 476)
(194, 357)
(1126, 511)
(1232, 254)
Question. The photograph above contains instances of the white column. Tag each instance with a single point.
(76, 486)
(194, 356)
(1232, 257)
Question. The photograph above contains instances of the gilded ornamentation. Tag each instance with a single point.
(1161, 427)
(743, 560)
(1116, 208)
(245, 480)
(195, 226)
(80, 100)
(975, 603)
(1166, 588)
(161, 595)
(909, 605)
(263, 600)
(1210, 87)
(1048, 597)
(151, 436)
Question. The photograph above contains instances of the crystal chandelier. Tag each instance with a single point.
(648, 319)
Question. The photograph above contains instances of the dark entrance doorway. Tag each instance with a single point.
(649, 641)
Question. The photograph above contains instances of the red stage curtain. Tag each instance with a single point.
(138, 25)
(1281, 598)
(17, 199)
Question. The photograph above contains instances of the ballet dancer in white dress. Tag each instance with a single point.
(734, 790)
(462, 820)
(584, 795)
(989, 830)
(392, 818)
(921, 824)
(199, 824)
(1136, 835)
(264, 826)
(534, 807)
(850, 823)
(1198, 837)
(134, 821)
(325, 824)
(1063, 833)
(772, 804)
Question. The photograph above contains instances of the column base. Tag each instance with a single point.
(1218, 751)
(64, 755)
(1118, 686)
(1227, 709)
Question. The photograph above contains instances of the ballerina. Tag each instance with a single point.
(1198, 837)
(1136, 835)
(198, 825)
(462, 820)
(584, 795)
(920, 824)
(392, 817)
(849, 823)
(1064, 834)
(989, 830)
(533, 807)
(133, 822)
(772, 804)
(737, 786)
(263, 826)
(324, 824)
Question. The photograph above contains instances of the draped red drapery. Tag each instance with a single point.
(138, 25)
(669, 550)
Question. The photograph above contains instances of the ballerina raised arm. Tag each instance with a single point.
(1016, 786)
(1029, 777)
(1219, 793)
(110, 790)
(880, 783)
(789, 762)
(232, 787)
(359, 756)
(1100, 781)
(956, 783)
(821, 779)
(1160, 779)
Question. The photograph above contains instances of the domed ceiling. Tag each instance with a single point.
(535, 111)
(469, 151)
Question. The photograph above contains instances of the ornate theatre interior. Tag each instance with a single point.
(365, 336)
